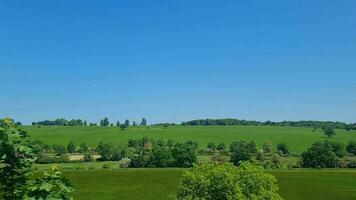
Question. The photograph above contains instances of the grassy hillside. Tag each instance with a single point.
(157, 184)
(298, 139)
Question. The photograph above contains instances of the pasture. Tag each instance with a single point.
(298, 139)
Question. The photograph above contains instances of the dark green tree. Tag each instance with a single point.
(143, 122)
(71, 147)
(351, 147)
(329, 131)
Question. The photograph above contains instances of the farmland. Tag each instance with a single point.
(298, 139)
(158, 184)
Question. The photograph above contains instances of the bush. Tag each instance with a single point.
(221, 147)
(184, 155)
(161, 157)
(320, 155)
(283, 148)
(219, 158)
(276, 161)
(124, 163)
(139, 161)
(351, 147)
(106, 166)
(267, 147)
(211, 146)
(240, 151)
(225, 181)
(88, 157)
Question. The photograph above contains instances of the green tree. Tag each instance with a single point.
(161, 157)
(118, 123)
(224, 181)
(71, 147)
(329, 131)
(283, 148)
(83, 148)
(240, 151)
(221, 147)
(17, 157)
(127, 123)
(184, 155)
(351, 147)
(143, 122)
(104, 122)
(211, 145)
(134, 123)
(51, 186)
(267, 147)
(319, 155)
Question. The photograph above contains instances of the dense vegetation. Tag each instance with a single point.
(230, 122)
(16, 159)
(225, 182)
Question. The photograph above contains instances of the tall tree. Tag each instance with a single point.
(143, 122)
(118, 123)
(127, 123)
(17, 157)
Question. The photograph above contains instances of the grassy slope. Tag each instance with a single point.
(298, 139)
(156, 184)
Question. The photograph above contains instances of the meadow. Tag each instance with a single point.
(298, 139)
(159, 184)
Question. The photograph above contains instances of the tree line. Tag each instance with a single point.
(230, 122)
(79, 122)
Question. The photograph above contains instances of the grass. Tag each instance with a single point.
(298, 139)
(158, 184)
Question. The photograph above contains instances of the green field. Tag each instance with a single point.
(157, 184)
(298, 139)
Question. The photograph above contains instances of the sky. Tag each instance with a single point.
(174, 60)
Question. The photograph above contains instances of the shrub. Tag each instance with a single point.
(161, 157)
(283, 148)
(106, 166)
(124, 163)
(221, 147)
(211, 146)
(225, 181)
(320, 155)
(267, 147)
(351, 147)
(219, 158)
(88, 157)
(71, 147)
(276, 161)
(184, 155)
(240, 151)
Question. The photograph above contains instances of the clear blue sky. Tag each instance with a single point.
(178, 60)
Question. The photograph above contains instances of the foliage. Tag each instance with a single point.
(59, 149)
(71, 147)
(125, 162)
(221, 147)
(231, 122)
(226, 182)
(320, 155)
(143, 122)
(60, 122)
(351, 147)
(211, 145)
(184, 154)
(267, 147)
(329, 131)
(83, 148)
(52, 186)
(161, 157)
(283, 148)
(241, 151)
(17, 157)
(88, 157)
(104, 122)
